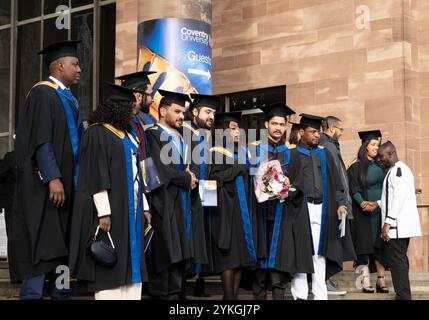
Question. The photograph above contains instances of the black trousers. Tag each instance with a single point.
(263, 279)
(168, 284)
(397, 260)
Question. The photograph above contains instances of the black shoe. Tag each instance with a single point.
(381, 289)
(199, 288)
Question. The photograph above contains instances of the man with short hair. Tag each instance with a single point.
(198, 130)
(271, 244)
(318, 212)
(333, 129)
(140, 82)
(47, 152)
(400, 217)
(172, 245)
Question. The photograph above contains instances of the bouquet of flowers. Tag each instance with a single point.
(271, 183)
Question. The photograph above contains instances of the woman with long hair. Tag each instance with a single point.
(366, 185)
(110, 203)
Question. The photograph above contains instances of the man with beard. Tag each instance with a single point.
(317, 214)
(197, 134)
(173, 242)
(142, 119)
(332, 131)
(270, 246)
(47, 148)
(139, 81)
(109, 196)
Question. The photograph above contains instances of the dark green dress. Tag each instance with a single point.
(366, 227)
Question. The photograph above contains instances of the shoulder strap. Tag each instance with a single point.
(290, 146)
(120, 134)
(187, 126)
(223, 151)
(43, 83)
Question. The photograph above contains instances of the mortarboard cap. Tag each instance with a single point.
(58, 50)
(279, 109)
(203, 100)
(308, 120)
(369, 135)
(119, 93)
(136, 80)
(170, 97)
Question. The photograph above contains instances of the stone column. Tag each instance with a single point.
(174, 39)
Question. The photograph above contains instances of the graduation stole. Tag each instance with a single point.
(203, 173)
(138, 132)
(245, 212)
(204, 144)
(146, 118)
(320, 151)
(134, 221)
(185, 193)
(75, 129)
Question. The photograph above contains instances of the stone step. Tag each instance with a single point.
(4, 273)
(345, 281)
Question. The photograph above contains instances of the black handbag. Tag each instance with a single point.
(102, 253)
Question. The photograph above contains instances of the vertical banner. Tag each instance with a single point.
(180, 51)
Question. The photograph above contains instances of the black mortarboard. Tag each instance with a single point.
(295, 126)
(279, 109)
(227, 117)
(369, 135)
(58, 50)
(169, 97)
(136, 80)
(203, 100)
(119, 93)
(308, 120)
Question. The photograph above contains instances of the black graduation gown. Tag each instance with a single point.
(102, 167)
(199, 213)
(297, 211)
(169, 244)
(231, 226)
(283, 257)
(39, 232)
(363, 240)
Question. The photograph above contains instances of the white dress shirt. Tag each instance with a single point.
(58, 82)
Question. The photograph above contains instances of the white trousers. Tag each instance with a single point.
(128, 292)
(299, 286)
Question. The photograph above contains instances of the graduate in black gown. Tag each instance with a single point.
(197, 134)
(110, 195)
(47, 150)
(271, 219)
(231, 222)
(173, 246)
(317, 215)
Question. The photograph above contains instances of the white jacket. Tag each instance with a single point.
(398, 203)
